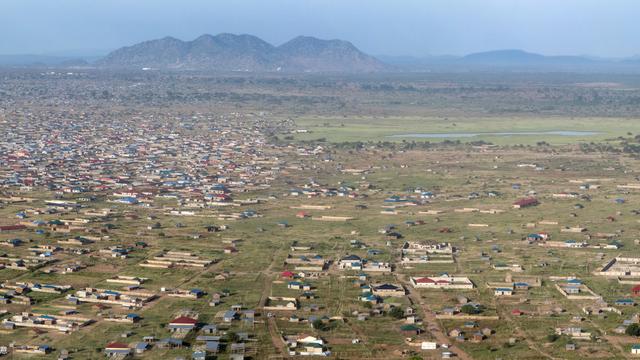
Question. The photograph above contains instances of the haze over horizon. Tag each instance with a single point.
(399, 28)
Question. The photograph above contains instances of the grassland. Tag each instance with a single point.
(367, 128)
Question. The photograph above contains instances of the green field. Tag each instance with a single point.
(361, 128)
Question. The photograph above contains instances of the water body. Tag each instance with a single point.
(505, 133)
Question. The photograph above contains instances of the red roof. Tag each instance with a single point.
(12, 227)
(636, 288)
(287, 274)
(424, 280)
(184, 320)
(526, 202)
(117, 345)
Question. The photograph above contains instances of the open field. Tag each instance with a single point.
(389, 128)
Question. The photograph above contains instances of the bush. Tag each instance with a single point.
(396, 312)
(552, 337)
(469, 309)
(321, 326)
(633, 330)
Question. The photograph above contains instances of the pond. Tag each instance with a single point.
(505, 133)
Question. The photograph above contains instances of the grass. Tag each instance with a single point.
(361, 128)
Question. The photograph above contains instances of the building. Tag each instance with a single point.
(182, 324)
(503, 292)
(387, 290)
(117, 350)
(526, 202)
(442, 282)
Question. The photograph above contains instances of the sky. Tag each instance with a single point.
(606, 28)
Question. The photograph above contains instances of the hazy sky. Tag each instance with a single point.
(393, 27)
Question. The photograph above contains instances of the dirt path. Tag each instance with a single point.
(272, 326)
(521, 333)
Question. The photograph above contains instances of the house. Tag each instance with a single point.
(209, 329)
(384, 290)
(521, 286)
(182, 325)
(428, 345)
(572, 289)
(444, 281)
(296, 285)
(350, 262)
(574, 332)
(635, 349)
(636, 290)
(170, 343)
(503, 292)
(471, 324)
(625, 302)
(526, 202)
(141, 347)
(212, 346)
(410, 330)
(116, 349)
(229, 316)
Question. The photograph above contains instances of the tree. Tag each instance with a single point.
(232, 336)
(317, 324)
(469, 309)
(633, 330)
(396, 312)
(552, 337)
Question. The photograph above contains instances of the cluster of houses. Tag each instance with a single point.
(222, 168)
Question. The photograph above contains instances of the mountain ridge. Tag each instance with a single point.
(244, 52)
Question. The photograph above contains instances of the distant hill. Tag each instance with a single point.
(43, 60)
(521, 57)
(229, 52)
(511, 60)
(304, 54)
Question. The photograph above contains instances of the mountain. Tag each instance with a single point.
(511, 60)
(305, 53)
(503, 57)
(229, 52)
(43, 60)
(520, 57)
